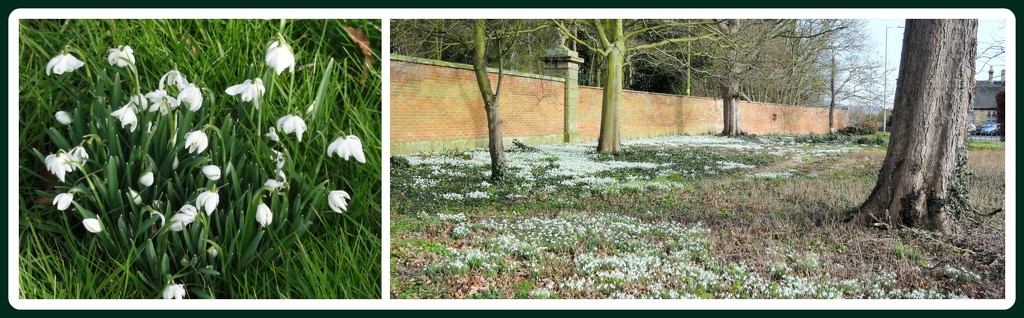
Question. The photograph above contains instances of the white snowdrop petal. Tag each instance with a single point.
(92, 225)
(263, 215)
(63, 117)
(212, 172)
(355, 147)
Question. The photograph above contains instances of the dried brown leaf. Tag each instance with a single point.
(360, 39)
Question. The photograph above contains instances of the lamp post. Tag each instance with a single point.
(885, 74)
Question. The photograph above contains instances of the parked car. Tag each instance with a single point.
(989, 129)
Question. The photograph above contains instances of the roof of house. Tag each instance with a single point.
(985, 94)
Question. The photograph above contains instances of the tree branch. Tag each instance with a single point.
(599, 27)
(574, 38)
(676, 40)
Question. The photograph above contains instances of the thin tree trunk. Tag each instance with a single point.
(495, 144)
(922, 181)
(831, 118)
(832, 97)
(608, 141)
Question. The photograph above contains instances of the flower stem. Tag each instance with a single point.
(92, 187)
(135, 78)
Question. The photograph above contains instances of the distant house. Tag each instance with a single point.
(985, 98)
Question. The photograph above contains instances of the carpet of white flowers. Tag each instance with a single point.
(577, 224)
(617, 256)
(646, 164)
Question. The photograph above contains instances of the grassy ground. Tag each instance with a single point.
(338, 258)
(680, 217)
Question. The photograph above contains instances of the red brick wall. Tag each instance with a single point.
(432, 103)
(646, 114)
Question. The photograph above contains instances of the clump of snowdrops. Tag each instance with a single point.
(167, 181)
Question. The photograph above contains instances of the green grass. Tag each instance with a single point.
(980, 144)
(338, 258)
(717, 234)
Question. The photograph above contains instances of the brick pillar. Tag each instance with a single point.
(565, 63)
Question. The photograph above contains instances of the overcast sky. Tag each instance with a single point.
(990, 32)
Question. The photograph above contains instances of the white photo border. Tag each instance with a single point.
(385, 15)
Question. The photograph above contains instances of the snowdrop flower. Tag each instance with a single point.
(208, 200)
(64, 62)
(273, 185)
(212, 172)
(163, 220)
(138, 102)
(173, 77)
(272, 135)
(192, 96)
(159, 100)
(263, 215)
(59, 164)
(185, 216)
(127, 116)
(174, 291)
(336, 199)
(250, 91)
(121, 56)
(63, 117)
(280, 57)
(63, 201)
(146, 179)
(78, 154)
(345, 147)
(292, 124)
(174, 165)
(278, 158)
(134, 196)
(196, 141)
(92, 225)
(213, 252)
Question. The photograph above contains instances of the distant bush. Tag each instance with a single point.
(856, 130)
(400, 163)
(839, 139)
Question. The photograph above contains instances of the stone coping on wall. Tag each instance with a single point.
(419, 60)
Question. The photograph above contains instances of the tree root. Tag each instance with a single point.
(986, 214)
(921, 233)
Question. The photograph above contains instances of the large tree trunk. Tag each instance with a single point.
(499, 166)
(730, 109)
(730, 82)
(608, 141)
(922, 179)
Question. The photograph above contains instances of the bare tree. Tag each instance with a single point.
(611, 39)
(922, 180)
(458, 37)
(849, 69)
(495, 144)
(745, 46)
